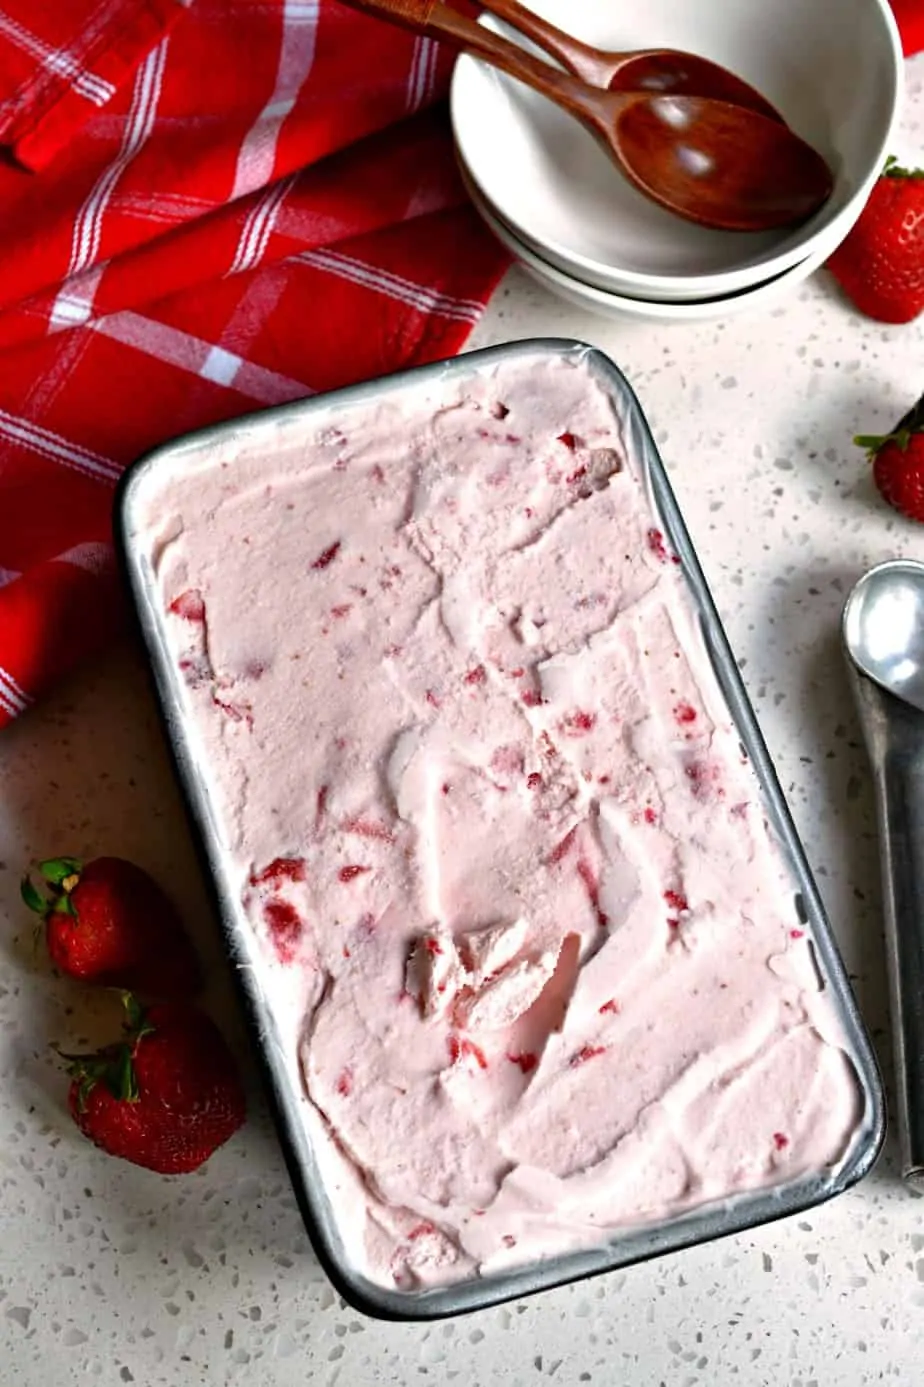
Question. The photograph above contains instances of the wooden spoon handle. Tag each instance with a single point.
(413, 14)
(441, 21)
(576, 56)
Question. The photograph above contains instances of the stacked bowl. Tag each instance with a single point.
(547, 190)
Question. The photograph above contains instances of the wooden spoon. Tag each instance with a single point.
(661, 70)
(710, 162)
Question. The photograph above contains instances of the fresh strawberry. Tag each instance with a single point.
(108, 922)
(880, 265)
(898, 462)
(166, 1096)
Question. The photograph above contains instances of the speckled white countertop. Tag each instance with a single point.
(111, 1274)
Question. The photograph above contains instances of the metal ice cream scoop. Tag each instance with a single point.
(883, 631)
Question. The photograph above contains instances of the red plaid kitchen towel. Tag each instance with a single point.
(207, 207)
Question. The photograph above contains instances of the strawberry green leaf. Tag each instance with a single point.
(112, 1067)
(134, 1012)
(127, 1089)
(31, 897)
(893, 169)
(57, 869)
(86, 1072)
(63, 905)
(85, 1085)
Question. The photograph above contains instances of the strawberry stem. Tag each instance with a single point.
(56, 870)
(910, 424)
(874, 443)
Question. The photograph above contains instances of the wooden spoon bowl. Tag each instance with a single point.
(717, 171)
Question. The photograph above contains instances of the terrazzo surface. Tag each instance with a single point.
(111, 1274)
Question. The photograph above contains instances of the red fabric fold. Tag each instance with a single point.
(251, 204)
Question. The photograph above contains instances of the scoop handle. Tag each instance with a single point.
(894, 735)
(442, 22)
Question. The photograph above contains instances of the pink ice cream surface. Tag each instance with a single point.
(529, 946)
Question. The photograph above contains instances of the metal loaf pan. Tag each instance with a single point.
(632, 1244)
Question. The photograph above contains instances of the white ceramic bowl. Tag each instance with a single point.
(610, 305)
(832, 67)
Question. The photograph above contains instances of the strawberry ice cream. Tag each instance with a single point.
(531, 951)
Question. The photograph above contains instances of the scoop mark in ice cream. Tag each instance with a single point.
(485, 800)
